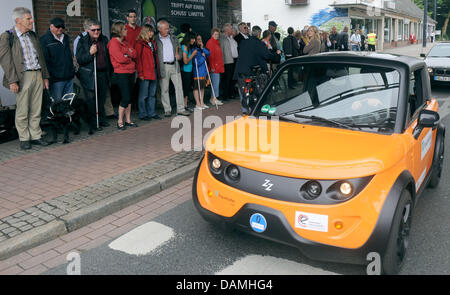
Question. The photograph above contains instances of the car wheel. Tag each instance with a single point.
(436, 174)
(397, 246)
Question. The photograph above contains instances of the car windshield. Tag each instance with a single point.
(440, 51)
(359, 97)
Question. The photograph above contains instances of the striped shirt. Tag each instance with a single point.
(31, 61)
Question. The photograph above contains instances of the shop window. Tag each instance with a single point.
(400, 30)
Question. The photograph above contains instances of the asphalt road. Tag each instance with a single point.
(181, 242)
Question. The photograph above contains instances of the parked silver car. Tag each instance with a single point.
(438, 62)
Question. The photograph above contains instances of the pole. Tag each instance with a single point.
(435, 11)
(425, 24)
(198, 81)
(95, 83)
(212, 86)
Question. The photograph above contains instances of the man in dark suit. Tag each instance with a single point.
(253, 52)
(243, 33)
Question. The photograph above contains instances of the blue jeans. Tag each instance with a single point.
(356, 48)
(147, 90)
(215, 82)
(59, 89)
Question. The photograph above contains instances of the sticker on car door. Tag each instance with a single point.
(426, 144)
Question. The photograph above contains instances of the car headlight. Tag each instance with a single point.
(223, 170)
(346, 188)
(333, 191)
(313, 190)
(232, 172)
(215, 166)
(430, 70)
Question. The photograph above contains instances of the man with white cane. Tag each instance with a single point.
(95, 66)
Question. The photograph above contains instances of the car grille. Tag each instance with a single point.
(445, 72)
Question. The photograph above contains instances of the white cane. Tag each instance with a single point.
(95, 83)
(212, 86)
(198, 80)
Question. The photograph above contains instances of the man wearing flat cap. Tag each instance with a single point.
(273, 41)
(59, 58)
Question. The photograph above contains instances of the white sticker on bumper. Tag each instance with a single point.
(310, 221)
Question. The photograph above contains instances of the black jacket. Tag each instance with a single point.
(253, 52)
(343, 41)
(273, 41)
(86, 60)
(291, 46)
(333, 38)
(238, 38)
(58, 57)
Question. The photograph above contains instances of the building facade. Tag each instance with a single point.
(393, 21)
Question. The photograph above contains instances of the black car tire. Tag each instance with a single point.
(396, 250)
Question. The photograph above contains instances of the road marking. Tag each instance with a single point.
(143, 239)
(268, 265)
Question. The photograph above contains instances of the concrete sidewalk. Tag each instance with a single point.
(50, 191)
(411, 50)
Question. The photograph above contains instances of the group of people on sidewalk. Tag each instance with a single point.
(145, 58)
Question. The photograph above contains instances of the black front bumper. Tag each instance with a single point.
(279, 230)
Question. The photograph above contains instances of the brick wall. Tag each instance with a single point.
(229, 11)
(45, 10)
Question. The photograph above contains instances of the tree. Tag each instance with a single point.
(443, 12)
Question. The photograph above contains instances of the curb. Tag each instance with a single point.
(32, 238)
(76, 220)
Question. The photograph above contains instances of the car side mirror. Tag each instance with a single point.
(427, 119)
(423, 55)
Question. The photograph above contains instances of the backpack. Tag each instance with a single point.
(10, 38)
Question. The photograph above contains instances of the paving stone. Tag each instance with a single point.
(8, 230)
(26, 227)
(14, 233)
(19, 224)
(19, 214)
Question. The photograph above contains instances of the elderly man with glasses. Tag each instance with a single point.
(93, 47)
(59, 58)
(243, 33)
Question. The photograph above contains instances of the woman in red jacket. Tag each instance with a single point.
(148, 69)
(122, 59)
(215, 63)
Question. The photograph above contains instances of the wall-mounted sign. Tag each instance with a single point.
(198, 13)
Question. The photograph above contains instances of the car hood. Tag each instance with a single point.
(438, 62)
(305, 151)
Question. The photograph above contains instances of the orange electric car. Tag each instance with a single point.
(331, 158)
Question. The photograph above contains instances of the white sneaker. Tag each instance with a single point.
(205, 106)
(217, 102)
(199, 108)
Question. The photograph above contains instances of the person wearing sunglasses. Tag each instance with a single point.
(59, 58)
(92, 47)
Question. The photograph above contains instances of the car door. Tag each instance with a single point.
(422, 144)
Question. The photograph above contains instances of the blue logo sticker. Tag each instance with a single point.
(258, 223)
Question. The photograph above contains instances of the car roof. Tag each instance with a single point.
(365, 57)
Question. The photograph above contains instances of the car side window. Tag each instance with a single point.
(415, 97)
